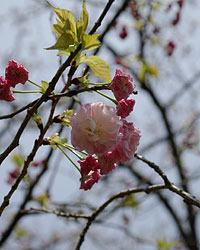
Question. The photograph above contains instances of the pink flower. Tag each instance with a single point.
(95, 128)
(125, 107)
(5, 92)
(122, 85)
(88, 164)
(128, 142)
(108, 161)
(88, 181)
(16, 73)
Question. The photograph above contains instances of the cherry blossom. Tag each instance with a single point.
(108, 161)
(88, 181)
(95, 128)
(16, 73)
(88, 164)
(122, 85)
(128, 142)
(125, 107)
(5, 91)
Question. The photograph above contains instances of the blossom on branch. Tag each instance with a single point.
(108, 161)
(88, 181)
(128, 142)
(125, 107)
(95, 128)
(15, 73)
(122, 85)
(88, 164)
(5, 91)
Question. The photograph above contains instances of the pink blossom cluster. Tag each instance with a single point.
(102, 130)
(15, 73)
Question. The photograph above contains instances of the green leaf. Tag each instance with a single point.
(79, 28)
(152, 70)
(58, 28)
(81, 25)
(55, 139)
(37, 119)
(20, 232)
(90, 41)
(84, 16)
(162, 244)
(80, 58)
(65, 28)
(99, 67)
(130, 201)
(69, 26)
(64, 15)
(43, 200)
(147, 68)
(44, 87)
(63, 42)
(65, 117)
(18, 160)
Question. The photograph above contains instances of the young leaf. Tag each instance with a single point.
(58, 28)
(65, 117)
(20, 232)
(68, 22)
(64, 15)
(80, 58)
(44, 87)
(43, 200)
(90, 41)
(63, 42)
(79, 28)
(130, 201)
(84, 16)
(99, 67)
(18, 160)
(147, 68)
(55, 139)
(37, 120)
(162, 244)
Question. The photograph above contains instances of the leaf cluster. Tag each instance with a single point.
(72, 33)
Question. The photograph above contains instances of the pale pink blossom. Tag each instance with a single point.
(88, 164)
(128, 142)
(122, 85)
(95, 128)
(88, 181)
(5, 91)
(16, 73)
(125, 107)
(108, 161)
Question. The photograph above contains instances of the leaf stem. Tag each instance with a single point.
(35, 84)
(99, 84)
(68, 157)
(72, 148)
(108, 97)
(25, 92)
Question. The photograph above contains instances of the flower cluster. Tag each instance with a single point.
(102, 130)
(15, 73)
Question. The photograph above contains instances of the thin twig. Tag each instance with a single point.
(18, 111)
(122, 194)
(56, 212)
(100, 19)
(188, 198)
